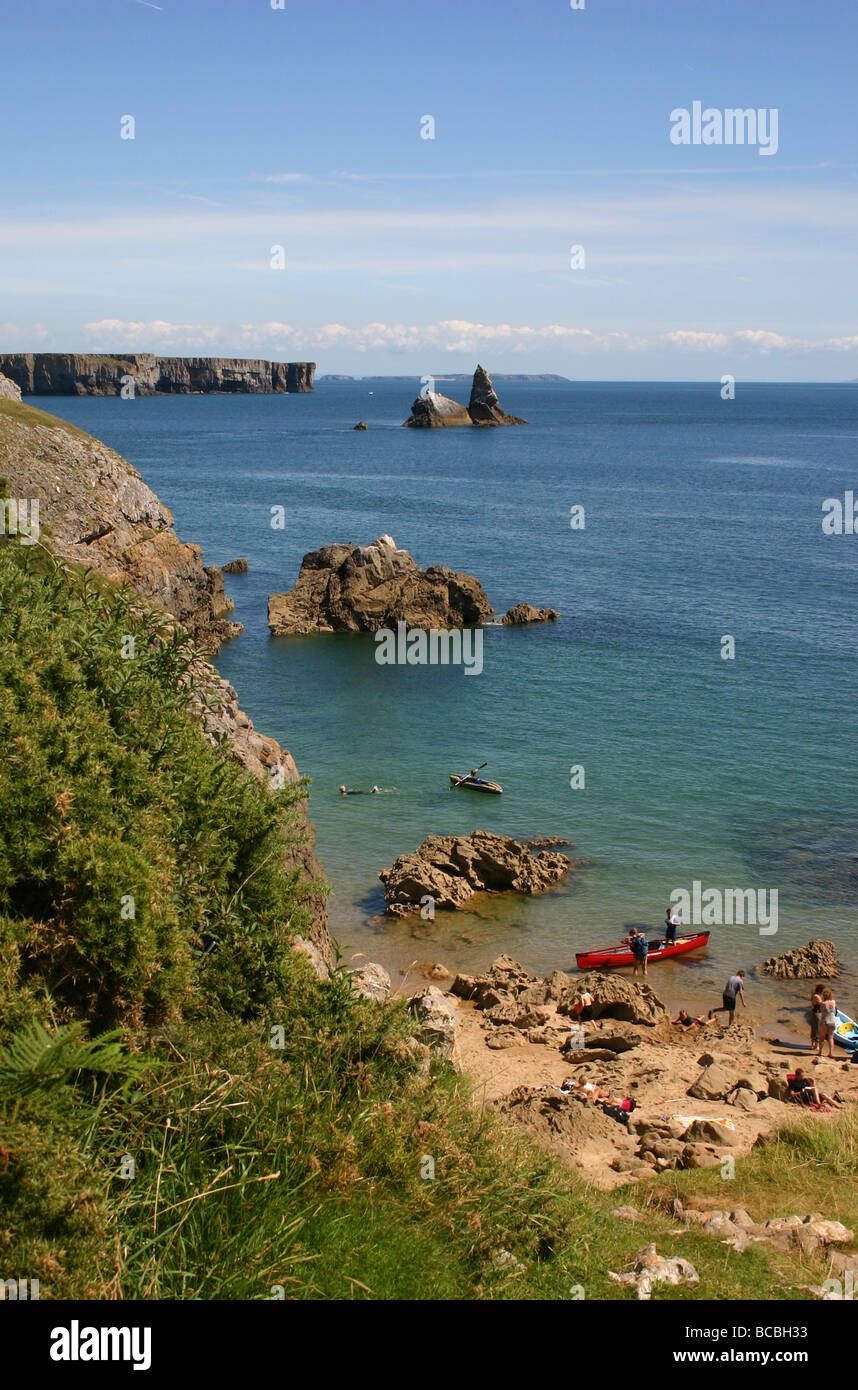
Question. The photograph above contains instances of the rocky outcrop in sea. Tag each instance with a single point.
(815, 961)
(450, 869)
(101, 374)
(362, 588)
(432, 410)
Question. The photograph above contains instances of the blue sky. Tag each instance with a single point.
(300, 128)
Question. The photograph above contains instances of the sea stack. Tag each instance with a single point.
(434, 411)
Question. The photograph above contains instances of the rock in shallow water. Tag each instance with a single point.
(815, 961)
(362, 588)
(450, 869)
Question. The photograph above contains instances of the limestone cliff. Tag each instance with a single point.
(99, 374)
(96, 511)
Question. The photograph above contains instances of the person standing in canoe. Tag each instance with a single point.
(672, 923)
(827, 1021)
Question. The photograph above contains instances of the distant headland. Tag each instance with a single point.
(142, 374)
(452, 376)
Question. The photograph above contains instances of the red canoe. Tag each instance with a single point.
(621, 955)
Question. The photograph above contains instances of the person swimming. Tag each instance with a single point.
(358, 791)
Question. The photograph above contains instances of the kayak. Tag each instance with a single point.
(846, 1032)
(476, 784)
(622, 955)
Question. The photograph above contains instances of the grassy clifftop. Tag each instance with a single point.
(185, 1111)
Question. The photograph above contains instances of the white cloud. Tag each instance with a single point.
(697, 341)
(766, 341)
(448, 335)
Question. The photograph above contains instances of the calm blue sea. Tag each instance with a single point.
(703, 519)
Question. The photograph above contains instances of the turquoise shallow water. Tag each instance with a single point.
(703, 518)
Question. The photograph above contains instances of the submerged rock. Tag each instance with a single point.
(362, 588)
(452, 868)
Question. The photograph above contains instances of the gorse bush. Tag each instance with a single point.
(141, 870)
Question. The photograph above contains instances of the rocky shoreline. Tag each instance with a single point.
(699, 1098)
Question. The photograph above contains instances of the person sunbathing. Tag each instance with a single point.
(588, 1090)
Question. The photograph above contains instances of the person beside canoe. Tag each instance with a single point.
(733, 990)
(639, 947)
(827, 1021)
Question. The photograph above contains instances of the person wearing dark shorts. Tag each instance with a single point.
(733, 990)
(640, 950)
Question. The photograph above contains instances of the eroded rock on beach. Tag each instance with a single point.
(438, 1020)
(362, 588)
(452, 868)
(432, 410)
(815, 961)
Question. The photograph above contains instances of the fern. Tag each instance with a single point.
(38, 1060)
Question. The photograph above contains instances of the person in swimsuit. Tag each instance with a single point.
(815, 1016)
(583, 1009)
(827, 1021)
